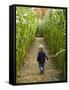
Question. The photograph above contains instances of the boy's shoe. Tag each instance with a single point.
(42, 72)
(41, 69)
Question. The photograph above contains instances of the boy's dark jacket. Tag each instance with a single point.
(41, 57)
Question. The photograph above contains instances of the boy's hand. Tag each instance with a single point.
(46, 60)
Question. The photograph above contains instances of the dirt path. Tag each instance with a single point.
(29, 73)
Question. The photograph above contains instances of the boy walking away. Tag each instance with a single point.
(41, 57)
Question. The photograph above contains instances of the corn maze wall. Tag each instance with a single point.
(53, 29)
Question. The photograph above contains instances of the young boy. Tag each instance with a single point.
(41, 58)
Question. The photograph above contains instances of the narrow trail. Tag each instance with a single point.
(29, 73)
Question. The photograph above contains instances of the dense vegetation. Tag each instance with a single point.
(52, 27)
(26, 23)
(54, 31)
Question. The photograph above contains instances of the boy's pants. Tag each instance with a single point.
(41, 66)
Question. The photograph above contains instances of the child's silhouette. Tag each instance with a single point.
(41, 58)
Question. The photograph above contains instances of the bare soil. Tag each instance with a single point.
(30, 73)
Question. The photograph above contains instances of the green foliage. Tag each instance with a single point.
(54, 31)
(52, 27)
(26, 23)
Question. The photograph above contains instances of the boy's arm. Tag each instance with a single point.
(37, 58)
(46, 56)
